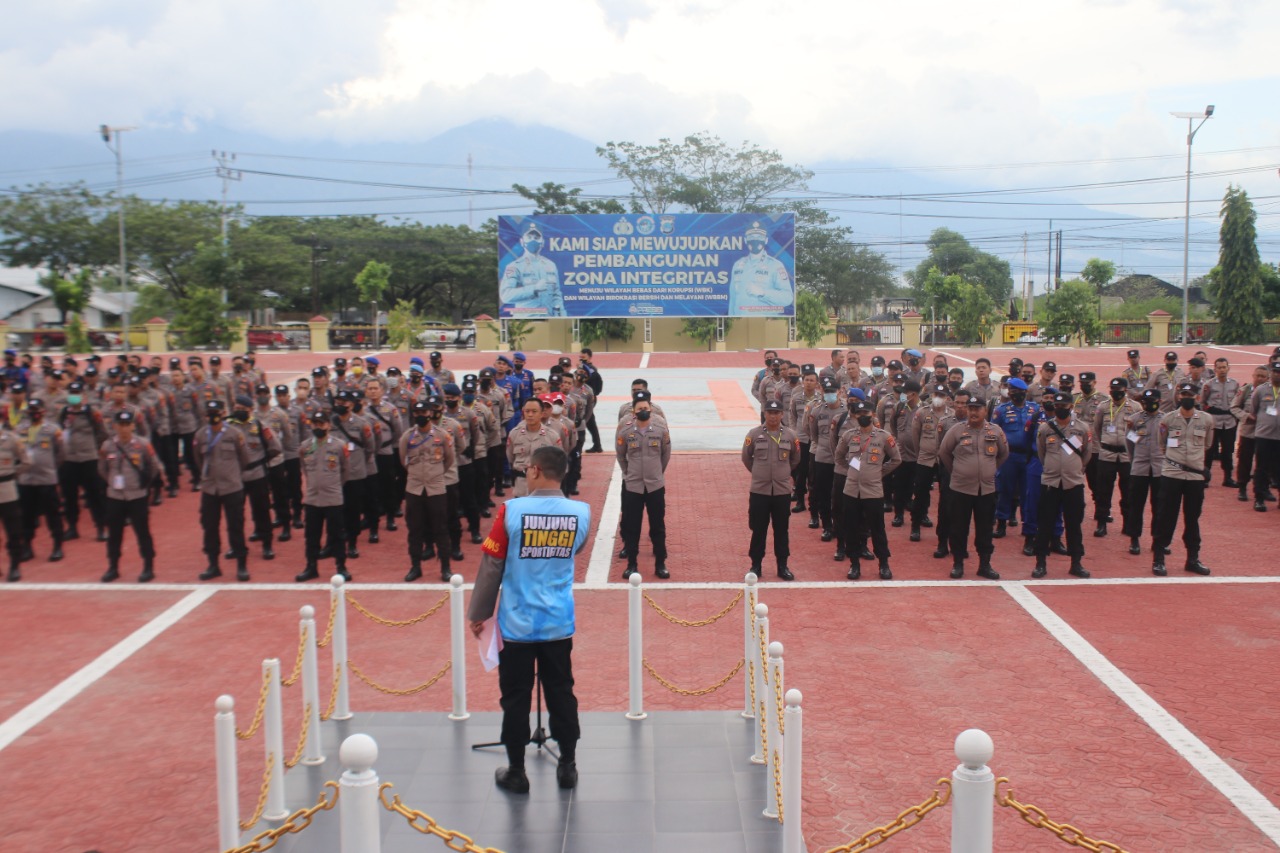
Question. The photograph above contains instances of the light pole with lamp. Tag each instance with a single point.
(108, 135)
(1186, 227)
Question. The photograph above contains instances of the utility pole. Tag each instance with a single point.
(1025, 297)
(470, 195)
(1057, 269)
(109, 134)
(227, 174)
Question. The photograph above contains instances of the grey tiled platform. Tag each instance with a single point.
(675, 781)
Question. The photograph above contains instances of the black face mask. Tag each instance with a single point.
(794, 380)
(644, 415)
(1086, 387)
(340, 409)
(1117, 394)
(264, 400)
(319, 433)
(1171, 365)
(453, 404)
(914, 362)
(1151, 406)
(239, 368)
(486, 384)
(239, 416)
(864, 420)
(214, 418)
(954, 386)
(1187, 404)
(415, 380)
(777, 370)
(421, 420)
(1062, 412)
(1018, 396)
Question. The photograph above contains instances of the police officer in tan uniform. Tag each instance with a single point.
(972, 452)
(527, 437)
(1064, 445)
(427, 452)
(128, 465)
(1146, 456)
(871, 454)
(1110, 425)
(1186, 434)
(324, 465)
(277, 420)
(643, 451)
(1216, 396)
(263, 445)
(926, 437)
(770, 452)
(1138, 377)
(13, 461)
(352, 430)
(222, 455)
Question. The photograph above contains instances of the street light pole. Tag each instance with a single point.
(109, 134)
(1186, 219)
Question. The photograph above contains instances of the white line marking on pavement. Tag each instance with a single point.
(602, 550)
(950, 355)
(71, 687)
(644, 360)
(1258, 355)
(1209, 764)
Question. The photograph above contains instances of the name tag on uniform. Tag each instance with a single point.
(1066, 448)
(1271, 410)
(351, 446)
(1173, 442)
(1133, 436)
(855, 464)
(1111, 428)
(1073, 442)
(117, 482)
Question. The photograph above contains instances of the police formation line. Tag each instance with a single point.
(335, 456)
(850, 446)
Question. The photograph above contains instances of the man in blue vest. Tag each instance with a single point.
(1017, 420)
(1031, 496)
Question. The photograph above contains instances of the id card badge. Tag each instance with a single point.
(1133, 436)
(1173, 442)
(1066, 448)
(117, 482)
(351, 446)
(1271, 410)
(855, 464)
(1111, 429)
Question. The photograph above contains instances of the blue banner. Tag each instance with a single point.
(647, 265)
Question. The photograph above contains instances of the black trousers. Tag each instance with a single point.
(278, 483)
(837, 508)
(1104, 487)
(467, 495)
(1143, 491)
(316, 519)
(77, 477)
(386, 488)
(574, 474)
(230, 507)
(820, 491)
(353, 509)
(481, 483)
(921, 489)
(372, 501)
(11, 516)
(425, 517)
(979, 510)
(293, 486)
(40, 501)
(1267, 469)
(594, 430)
(138, 514)
(258, 493)
(863, 520)
(764, 511)
(634, 507)
(904, 481)
(1244, 461)
(167, 450)
(1223, 448)
(516, 672)
(497, 463)
(801, 474)
(1071, 503)
(943, 525)
(189, 457)
(1175, 495)
(453, 504)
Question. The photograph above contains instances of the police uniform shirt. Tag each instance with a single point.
(13, 461)
(388, 426)
(842, 426)
(869, 457)
(277, 421)
(486, 425)
(466, 418)
(357, 437)
(261, 443)
(1240, 410)
(771, 458)
(442, 377)
(83, 432)
(426, 455)
(1110, 429)
(1064, 456)
(654, 407)
(141, 421)
(522, 441)
(499, 402)
(973, 455)
(797, 417)
(900, 426)
(492, 421)
(1086, 407)
(985, 393)
(643, 451)
(459, 439)
(531, 287)
(223, 456)
(821, 422)
(1167, 383)
(567, 435)
(926, 434)
(128, 468)
(1218, 394)
(325, 465)
(1145, 448)
(1185, 441)
(1138, 378)
(44, 454)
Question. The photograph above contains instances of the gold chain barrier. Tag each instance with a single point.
(302, 738)
(328, 631)
(704, 691)
(777, 694)
(262, 794)
(392, 691)
(258, 711)
(675, 620)
(777, 783)
(392, 623)
(1065, 831)
(333, 693)
(427, 825)
(297, 664)
(906, 820)
(294, 823)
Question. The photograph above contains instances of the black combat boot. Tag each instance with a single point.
(886, 574)
(957, 570)
(985, 570)
(1101, 530)
(212, 571)
(415, 572)
(15, 574)
(445, 574)
(1001, 524)
(1078, 570)
(242, 568)
(310, 573)
(112, 572)
(148, 570)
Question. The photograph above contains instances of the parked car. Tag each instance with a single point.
(438, 334)
(297, 333)
(54, 335)
(266, 338)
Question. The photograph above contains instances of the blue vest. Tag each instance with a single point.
(543, 533)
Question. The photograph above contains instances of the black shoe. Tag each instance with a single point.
(1078, 570)
(27, 554)
(1159, 570)
(1013, 522)
(631, 569)
(898, 521)
(484, 513)
(413, 573)
(957, 571)
(840, 555)
(342, 570)
(429, 552)
(661, 571)
(446, 574)
(785, 574)
(456, 554)
(985, 571)
(57, 553)
(567, 771)
(268, 554)
(242, 570)
(915, 533)
(926, 522)
(195, 487)
(173, 491)
(477, 538)
(110, 574)
(374, 538)
(828, 535)
(1243, 496)
(1059, 548)
(1196, 567)
(1001, 524)
(211, 572)
(499, 492)
(1028, 546)
(324, 553)
(1101, 530)
(352, 552)
(1259, 506)
(285, 534)
(310, 573)
(156, 499)
(865, 554)
(230, 555)
(72, 533)
(1040, 570)
(1230, 483)
(1135, 547)
(941, 553)
(148, 572)
(392, 526)
(755, 569)
(855, 571)
(512, 779)
(596, 449)
(622, 555)
(14, 574)
(799, 508)
(887, 506)
(813, 522)
(1269, 496)
(255, 537)
(886, 574)
(299, 524)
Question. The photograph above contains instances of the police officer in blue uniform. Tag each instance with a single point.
(1016, 419)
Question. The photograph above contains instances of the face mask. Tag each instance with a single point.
(954, 385)
(1062, 412)
(239, 416)
(358, 407)
(1171, 365)
(777, 371)
(421, 420)
(914, 362)
(1187, 404)
(356, 371)
(341, 371)
(794, 380)
(486, 384)
(215, 418)
(415, 379)
(1117, 394)
(534, 246)
(453, 404)
(1086, 387)
(1151, 406)
(437, 415)
(829, 397)
(264, 400)
(644, 415)
(877, 371)
(902, 396)
(468, 399)
(557, 409)
(36, 414)
(864, 420)
(319, 433)
(340, 409)
(393, 381)
(73, 399)
(1004, 392)
(939, 402)
(239, 368)
(1018, 396)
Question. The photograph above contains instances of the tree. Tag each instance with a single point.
(177, 245)
(556, 198)
(1239, 279)
(372, 281)
(203, 322)
(952, 254)
(77, 339)
(1098, 273)
(517, 331)
(1270, 276)
(702, 174)
(811, 317)
(403, 325)
(969, 306)
(1073, 311)
(615, 328)
(703, 329)
(59, 228)
(70, 296)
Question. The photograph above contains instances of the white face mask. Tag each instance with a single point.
(939, 402)
(393, 381)
(557, 409)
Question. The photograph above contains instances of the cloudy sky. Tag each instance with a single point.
(1085, 84)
